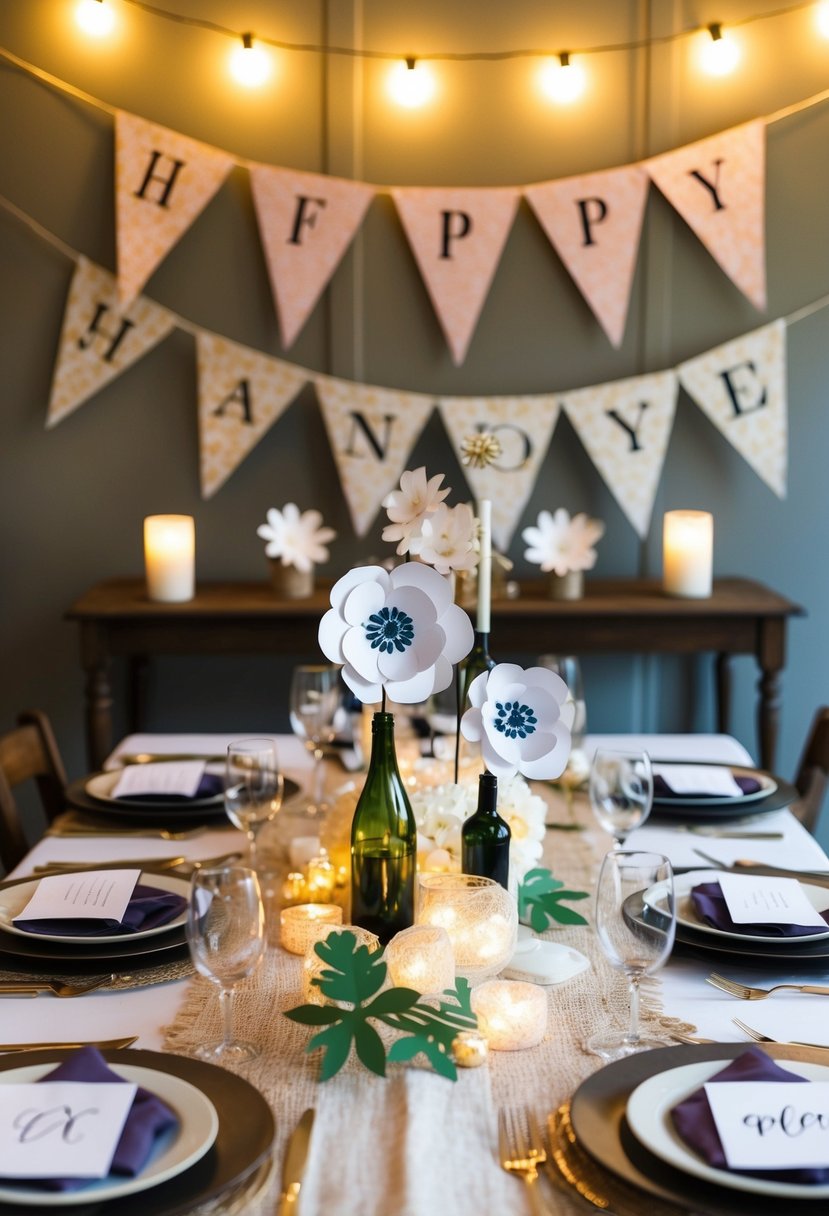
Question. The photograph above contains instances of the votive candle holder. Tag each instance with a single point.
(511, 1014)
(300, 925)
(421, 958)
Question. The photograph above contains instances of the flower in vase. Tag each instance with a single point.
(396, 630)
(562, 544)
(448, 539)
(521, 721)
(298, 539)
(407, 507)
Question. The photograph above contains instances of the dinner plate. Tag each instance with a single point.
(14, 899)
(243, 1142)
(649, 1118)
(715, 810)
(686, 916)
(100, 786)
(173, 1152)
(768, 785)
(161, 813)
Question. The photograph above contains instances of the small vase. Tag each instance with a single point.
(289, 583)
(569, 586)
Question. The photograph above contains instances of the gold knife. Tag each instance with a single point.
(296, 1154)
(159, 757)
(103, 1044)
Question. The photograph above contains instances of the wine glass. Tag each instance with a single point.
(314, 700)
(254, 787)
(226, 936)
(621, 792)
(638, 947)
(568, 667)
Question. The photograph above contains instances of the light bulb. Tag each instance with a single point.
(720, 54)
(561, 80)
(411, 84)
(95, 18)
(822, 18)
(249, 64)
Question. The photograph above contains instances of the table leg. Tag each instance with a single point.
(723, 677)
(771, 655)
(137, 679)
(96, 664)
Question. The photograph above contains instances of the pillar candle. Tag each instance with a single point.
(687, 553)
(482, 620)
(169, 557)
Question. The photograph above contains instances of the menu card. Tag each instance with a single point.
(177, 777)
(761, 900)
(95, 895)
(772, 1125)
(711, 779)
(61, 1129)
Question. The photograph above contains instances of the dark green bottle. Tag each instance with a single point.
(479, 659)
(383, 842)
(485, 836)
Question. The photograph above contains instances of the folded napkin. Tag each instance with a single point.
(694, 1122)
(210, 785)
(710, 906)
(148, 1118)
(661, 789)
(148, 908)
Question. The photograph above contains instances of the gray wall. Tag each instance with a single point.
(72, 499)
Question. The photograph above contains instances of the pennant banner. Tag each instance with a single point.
(457, 237)
(371, 432)
(99, 339)
(241, 395)
(306, 222)
(741, 386)
(718, 187)
(594, 222)
(163, 181)
(523, 427)
(625, 427)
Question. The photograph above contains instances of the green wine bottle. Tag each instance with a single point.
(479, 659)
(383, 842)
(485, 836)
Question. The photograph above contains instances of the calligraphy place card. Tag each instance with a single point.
(772, 1125)
(760, 900)
(61, 1129)
(179, 778)
(97, 895)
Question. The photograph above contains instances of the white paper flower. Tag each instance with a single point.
(521, 721)
(396, 629)
(299, 540)
(408, 506)
(560, 543)
(448, 539)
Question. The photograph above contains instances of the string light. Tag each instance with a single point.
(249, 64)
(721, 55)
(562, 80)
(95, 18)
(411, 84)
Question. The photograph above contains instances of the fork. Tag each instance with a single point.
(766, 1038)
(521, 1147)
(56, 987)
(746, 993)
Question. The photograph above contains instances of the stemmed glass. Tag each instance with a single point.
(636, 945)
(254, 788)
(314, 700)
(621, 792)
(226, 936)
(568, 667)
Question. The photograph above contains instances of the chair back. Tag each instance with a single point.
(812, 776)
(29, 752)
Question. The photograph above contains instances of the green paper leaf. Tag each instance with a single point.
(539, 901)
(353, 974)
(370, 1048)
(336, 1041)
(314, 1015)
(393, 1000)
(406, 1049)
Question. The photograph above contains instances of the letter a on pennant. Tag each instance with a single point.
(594, 223)
(718, 187)
(99, 339)
(371, 432)
(306, 223)
(241, 395)
(163, 181)
(457, 237)
(625, 427)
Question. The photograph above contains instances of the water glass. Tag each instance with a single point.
(314, 701)
(621, 792)
(568, 667)
(254, 788)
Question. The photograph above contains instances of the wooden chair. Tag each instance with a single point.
(812, 776)
(28, 752)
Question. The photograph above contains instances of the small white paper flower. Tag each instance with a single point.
(299, 540)
(448, 539)
(409, 506)
(396, 629)
(562, 544)
(521, 721)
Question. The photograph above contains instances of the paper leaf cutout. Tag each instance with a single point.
(353, 974)
(539, 898)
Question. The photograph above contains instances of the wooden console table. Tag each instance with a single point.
(616, 615)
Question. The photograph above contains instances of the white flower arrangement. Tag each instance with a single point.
(299, 540)
(442, 536)
(522, 720)
(561, 544)
(407, 507)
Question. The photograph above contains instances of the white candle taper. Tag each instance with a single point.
(485, 566)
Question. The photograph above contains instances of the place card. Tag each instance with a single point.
(61, 1129)
(690, 779)
(95, 895)
(772, 1125)
(760, 900)
(179, 778)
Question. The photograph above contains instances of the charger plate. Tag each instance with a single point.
(163, 814)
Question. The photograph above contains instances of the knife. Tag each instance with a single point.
(816, 878)
(103, 1044)
(128, 758)
(296, 1154)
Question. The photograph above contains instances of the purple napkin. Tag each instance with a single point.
(710, 906)
(694, 1122)
(210, 785)
(148, 908)
(148, 1118)
(661, 789)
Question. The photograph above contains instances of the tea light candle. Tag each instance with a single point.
(421, 957)
(313, 966)
(295, 889)
(299, 926)
(687, 553)
(512, 1015)
(321, 877)
(469, 1049)
(170, 557)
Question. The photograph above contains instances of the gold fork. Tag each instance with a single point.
(746, 993)
(521, 1147)
(759, 1037)
(56, 987)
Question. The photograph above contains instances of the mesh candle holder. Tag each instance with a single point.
(421, 958)
(313, 966)
(511, 1014)
(300, 925)
(480, 917)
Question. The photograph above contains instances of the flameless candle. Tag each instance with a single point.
(300, 925)
(482, 620)
(687, 553)
(421, 957)
(169, 557)
(511, 1015)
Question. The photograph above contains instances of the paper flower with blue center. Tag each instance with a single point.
(397, 630)
(521, 721)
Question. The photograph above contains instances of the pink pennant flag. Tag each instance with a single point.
(163, 180)
(594, 222)
(457, 237)
(718, 187)
(306, 222)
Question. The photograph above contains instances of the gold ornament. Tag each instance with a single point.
(478, 451)
(469, 1049)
